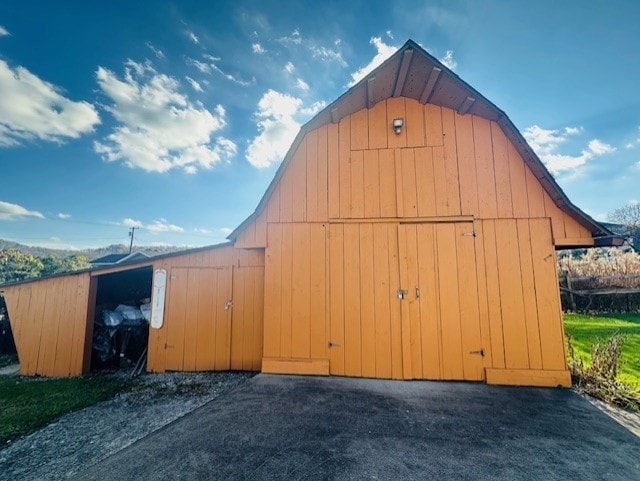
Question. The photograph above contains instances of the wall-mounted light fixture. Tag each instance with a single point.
(397, 125)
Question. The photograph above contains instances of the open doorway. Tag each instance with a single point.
(121, 319)
(8, 352)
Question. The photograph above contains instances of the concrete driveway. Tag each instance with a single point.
(287, 427)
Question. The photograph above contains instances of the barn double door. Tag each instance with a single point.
(404, 301)
(213, 318)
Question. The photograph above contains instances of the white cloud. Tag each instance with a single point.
(573, 130)
(600, 148)
(203, 67)
(257, 48)
(3, 31)
(634, 143)
(295, 38)
(9, 211)
(193, 37)
(64, 216)
(198, 230)
(161, 225)
(225, 230)
(448, 60)
(384, 51)
(302, 85)
(158, 53)
(313, 108)
(545, 143)
(328, 54)
(194, 84)
(31, 108)
(211, 66)
(289, 67)
(128, 222)
(158, 127)
(158, 225)
(389, 34)
(277, 126)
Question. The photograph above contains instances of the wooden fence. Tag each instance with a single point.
(600, 293)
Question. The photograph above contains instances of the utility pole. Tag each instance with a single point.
(132, 231)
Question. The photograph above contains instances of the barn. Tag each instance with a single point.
(409, 233)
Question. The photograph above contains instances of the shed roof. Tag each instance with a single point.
(120, 258)
(134, 264)
(412, 72)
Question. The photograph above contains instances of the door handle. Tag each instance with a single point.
(417, 292)
(228, 305)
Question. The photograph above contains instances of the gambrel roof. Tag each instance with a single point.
(413, 73)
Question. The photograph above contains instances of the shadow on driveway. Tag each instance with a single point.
(288, 427)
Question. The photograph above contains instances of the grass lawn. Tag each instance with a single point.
(28, 404)
(585, 329)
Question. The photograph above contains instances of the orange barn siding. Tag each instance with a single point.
(52, 319)
(198, 333)
(49, 323)
(442, 164)
(392, 211)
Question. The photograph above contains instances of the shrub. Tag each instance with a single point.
(600, 378)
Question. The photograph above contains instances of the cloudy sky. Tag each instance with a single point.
(174, 116)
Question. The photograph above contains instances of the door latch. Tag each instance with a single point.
(479, 351)
(402, 293)
(228, 305)
(470, 234)
(333, 344)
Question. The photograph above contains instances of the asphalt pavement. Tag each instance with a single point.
(295, 427)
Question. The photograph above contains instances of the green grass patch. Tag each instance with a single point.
(27, 404)
(585, 329)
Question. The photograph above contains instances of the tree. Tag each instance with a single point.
(629, 216)
(16, 266)
(53, 264)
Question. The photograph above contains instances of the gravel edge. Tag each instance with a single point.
(79, 440)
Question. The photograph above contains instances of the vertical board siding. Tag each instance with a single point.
(198, 333)
(378, 126)
(485, 170)
(203, 331)
(518, 284)
(48, 319)
(365, 331)
(295, 283)
(441, 164)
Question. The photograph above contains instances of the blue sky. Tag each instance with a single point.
(174, 116)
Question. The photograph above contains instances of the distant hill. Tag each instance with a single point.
(89, 253)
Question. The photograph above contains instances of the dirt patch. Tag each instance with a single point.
(80, 439)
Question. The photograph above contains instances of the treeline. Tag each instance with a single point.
(17, 266)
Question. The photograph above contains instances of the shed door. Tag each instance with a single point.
(404, 301)
(198, 319)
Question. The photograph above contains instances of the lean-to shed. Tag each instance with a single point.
(409, 233)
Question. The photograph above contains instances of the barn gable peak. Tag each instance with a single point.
(413, 73)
